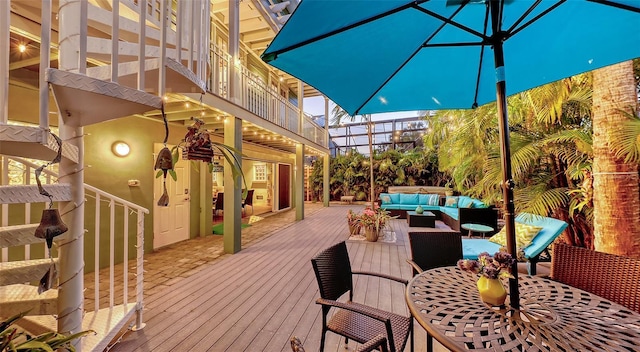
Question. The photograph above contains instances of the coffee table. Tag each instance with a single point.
(426, 219)
(482, 229)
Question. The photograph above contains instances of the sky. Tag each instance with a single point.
(315, 106)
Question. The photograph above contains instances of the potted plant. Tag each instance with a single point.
(449, 188)
(353, 219)
(373, 221)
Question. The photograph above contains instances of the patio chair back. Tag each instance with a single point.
(607, 275)
(333, 272)
(352, 320)
(434, 249)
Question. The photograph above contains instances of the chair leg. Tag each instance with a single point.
(324, 334)
(412, 332)
(429, 343)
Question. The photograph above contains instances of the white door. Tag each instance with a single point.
(171, 223)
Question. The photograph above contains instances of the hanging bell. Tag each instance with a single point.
(164, 161)
(51, 225)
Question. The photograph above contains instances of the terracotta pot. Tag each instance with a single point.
(371, 234)
(491, 291)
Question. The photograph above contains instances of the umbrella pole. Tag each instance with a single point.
(505, 152)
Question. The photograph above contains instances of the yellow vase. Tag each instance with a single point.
(491, 291)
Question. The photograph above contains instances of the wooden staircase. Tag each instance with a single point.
(130, 74)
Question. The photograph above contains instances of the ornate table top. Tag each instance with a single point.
(553, 316)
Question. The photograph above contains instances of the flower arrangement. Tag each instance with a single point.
(352, 218)
(374, 218)
(498, 266)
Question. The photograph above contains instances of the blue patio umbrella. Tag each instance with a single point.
(385, 56)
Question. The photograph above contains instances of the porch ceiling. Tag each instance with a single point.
(181, 111)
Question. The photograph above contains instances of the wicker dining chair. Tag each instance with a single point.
(353, 320)
(434, 249)
(613, 277)
(378, 343)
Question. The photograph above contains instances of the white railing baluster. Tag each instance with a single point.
(125, 255)
(96, 260)
(112, 249)
(139, 269)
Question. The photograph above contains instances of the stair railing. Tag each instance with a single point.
(129, 268)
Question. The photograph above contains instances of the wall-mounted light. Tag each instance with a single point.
(120, 149)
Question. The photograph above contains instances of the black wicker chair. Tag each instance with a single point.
(354, 320)
(434, 249)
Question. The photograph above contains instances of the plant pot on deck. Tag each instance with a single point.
(371, 234)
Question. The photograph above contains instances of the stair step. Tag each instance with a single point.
(18, 235)
(22, 271)
(106, 322)
(33, 142)
(179, 78)
(16, 194)
(15, 299)
(84, 100)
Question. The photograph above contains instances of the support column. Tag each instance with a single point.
(234, 51)
(299, 182)
(206, 197)
(71, 244)
(327, 158)
(232, 188)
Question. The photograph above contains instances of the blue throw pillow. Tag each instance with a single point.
(451, 202)
(433, 199)
(385, 199)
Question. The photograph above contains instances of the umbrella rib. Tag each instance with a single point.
(512, 31)
(615, 4)
(273, 55)
(475, 95)
(425, 44)
(450, 20)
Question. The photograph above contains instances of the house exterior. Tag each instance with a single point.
(114, 73)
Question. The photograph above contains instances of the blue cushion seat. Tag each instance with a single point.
(551, 229)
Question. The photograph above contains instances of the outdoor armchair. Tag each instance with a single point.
(354, 320)
(611, 276)
(434, 249)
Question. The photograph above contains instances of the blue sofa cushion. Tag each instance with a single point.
(423, 199)
(452, 212)
(465, 202)
(395, 198)
(409, 199)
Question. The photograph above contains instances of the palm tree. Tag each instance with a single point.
(338, 115)
(616, 202)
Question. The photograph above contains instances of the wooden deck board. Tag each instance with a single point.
(256, 299)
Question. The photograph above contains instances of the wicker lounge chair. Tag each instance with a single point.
(434, 249)
(610, 276)
(353, 320)
(378, 343)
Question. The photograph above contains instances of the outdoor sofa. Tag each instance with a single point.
(550, 229)
(452, 210)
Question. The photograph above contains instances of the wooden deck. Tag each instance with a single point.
(256, 299)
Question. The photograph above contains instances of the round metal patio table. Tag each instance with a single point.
(553, 316)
